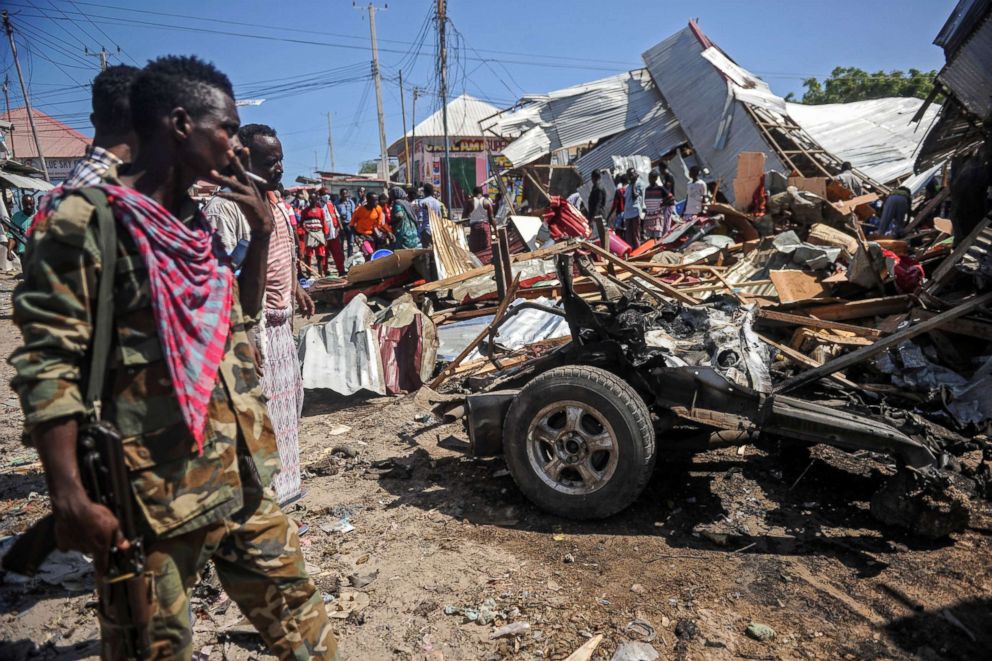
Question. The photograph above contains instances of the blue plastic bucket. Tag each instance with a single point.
(381, 252)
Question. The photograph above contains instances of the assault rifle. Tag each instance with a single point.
(125, 596)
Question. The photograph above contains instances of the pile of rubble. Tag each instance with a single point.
(787, 321)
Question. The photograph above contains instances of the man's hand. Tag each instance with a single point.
(82, 525)
(242, 190)
(256, 356)
(304, 303)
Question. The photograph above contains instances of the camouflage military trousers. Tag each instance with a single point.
(261, 568)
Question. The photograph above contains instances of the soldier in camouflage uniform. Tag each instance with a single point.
(194, 506)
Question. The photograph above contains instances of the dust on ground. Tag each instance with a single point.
(716, 543)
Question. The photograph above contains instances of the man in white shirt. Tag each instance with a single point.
(282, 382)
(696, 194)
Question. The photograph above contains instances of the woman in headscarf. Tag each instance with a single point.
(404, 219)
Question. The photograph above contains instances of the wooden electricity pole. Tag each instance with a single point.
(24, 92)
(330, 142)
(406, 140)
(377, 77)
(442, 20)
(413, 128)
(6, 100)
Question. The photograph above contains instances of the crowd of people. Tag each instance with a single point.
(330, 227)
(639, 213)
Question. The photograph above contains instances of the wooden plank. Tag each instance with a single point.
(795, 286)
(563, 246)
(824, 337)
(938, 277)
(812, 322)
(869, 307)
(802, 359)
(981, 330)
(847, 206)
(925, 212)
(858, 355)
(500, 311)
(670, 291)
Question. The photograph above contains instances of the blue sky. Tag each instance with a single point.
(311, 57)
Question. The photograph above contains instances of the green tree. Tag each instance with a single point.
(847, 84)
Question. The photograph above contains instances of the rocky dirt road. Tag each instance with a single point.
(409, 539)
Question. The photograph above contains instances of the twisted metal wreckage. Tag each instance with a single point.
(582, 426)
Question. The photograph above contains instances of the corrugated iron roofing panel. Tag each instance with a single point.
(576, 115)
(876, 136)
(969, 74)
(657, 134)
(696, 91)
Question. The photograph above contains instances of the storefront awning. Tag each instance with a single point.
(20, 181)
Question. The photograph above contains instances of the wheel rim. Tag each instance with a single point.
(572, 448)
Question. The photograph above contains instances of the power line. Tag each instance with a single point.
(340, 35)
(112, 20)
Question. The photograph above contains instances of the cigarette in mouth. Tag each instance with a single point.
(254, 177)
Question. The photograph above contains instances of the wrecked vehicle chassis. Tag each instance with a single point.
(582, 427)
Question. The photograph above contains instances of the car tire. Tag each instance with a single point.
(579, 442)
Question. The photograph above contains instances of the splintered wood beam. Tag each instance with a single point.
(624, 265)
(500, 311)
(800, 320)
(859, 355)
(802, 359)
(938, 277)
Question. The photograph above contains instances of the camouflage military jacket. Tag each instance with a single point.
(176, 488)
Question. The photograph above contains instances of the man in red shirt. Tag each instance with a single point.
(312, 232)
(334, 238)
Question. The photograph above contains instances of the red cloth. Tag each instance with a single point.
(906, 271)
(191, 288)
(337, 254)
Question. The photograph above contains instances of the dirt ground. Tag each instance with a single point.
(732, 538)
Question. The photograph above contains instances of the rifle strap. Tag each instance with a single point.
(104, 314)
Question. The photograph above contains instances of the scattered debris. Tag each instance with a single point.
(759, 631)
(512, 629)
(635, 651)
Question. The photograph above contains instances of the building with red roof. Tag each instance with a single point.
(61, 144)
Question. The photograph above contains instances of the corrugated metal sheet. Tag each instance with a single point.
(960, 23)
(969, 74)
(876, 136)
(576, 115)
(464, 115)
(532, 145)
(696, 92)
(657, 134)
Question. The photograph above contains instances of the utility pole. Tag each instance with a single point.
(413, 127)
(406, 141)
(24, 92)
(330, 142)
(442, 19)
(377, 77)
(102, 55)
(6, 100)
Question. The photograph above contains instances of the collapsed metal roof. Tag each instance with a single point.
(693, 92)
(659, 133)
(575, 116)
(876, 136)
